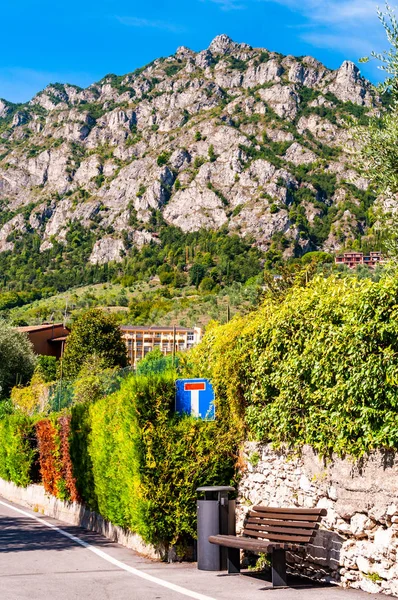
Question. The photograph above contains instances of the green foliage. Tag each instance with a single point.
(127, 456)
(318, 257)
(236, 63)
(95, 110)
(212, 154)
(148, 463)
(95, 380)
(17, 361)
(80, 454)
(172, 68)
(155, 362)
(207, 284)
(265, 152)
(199, 161)
(47, 368)
(62, 267)
(197, 273)
(93, 333)
(17, 452)
(163, 159)
(378, 154)
(317, 367)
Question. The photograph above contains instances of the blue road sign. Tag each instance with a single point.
(195, 397)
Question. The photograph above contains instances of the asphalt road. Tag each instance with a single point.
(43, 559)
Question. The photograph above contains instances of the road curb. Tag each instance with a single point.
(73, 513)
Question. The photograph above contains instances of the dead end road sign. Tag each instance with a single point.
(195, 397)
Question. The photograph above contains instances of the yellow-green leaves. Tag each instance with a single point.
(318, 368)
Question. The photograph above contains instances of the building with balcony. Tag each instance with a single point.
(353, 259)
(141, 340)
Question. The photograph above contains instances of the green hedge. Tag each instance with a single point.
(318, 367)
(18, 449)
(133, 460)
(148, 462)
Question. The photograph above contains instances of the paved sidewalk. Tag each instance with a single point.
(39, 562)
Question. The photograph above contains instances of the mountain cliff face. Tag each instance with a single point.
(232, 137)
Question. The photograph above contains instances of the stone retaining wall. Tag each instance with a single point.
(35, 498)
(357, 544)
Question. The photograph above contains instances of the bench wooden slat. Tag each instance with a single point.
(278, 537)
(281, 524)
(286, 517)
(291, 511)
(285, 530)
(231, 541)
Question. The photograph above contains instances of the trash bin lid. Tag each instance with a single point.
(216, 488)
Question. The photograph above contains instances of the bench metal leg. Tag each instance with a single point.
(233, 560)
(279, 568)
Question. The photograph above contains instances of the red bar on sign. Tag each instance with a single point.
(190, 387)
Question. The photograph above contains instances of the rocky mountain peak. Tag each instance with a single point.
(235, 137)
(222, 44)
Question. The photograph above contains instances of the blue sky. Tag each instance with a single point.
(79, 41)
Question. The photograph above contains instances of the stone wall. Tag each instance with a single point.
(358, 540)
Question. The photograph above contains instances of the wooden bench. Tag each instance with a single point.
(272, 531)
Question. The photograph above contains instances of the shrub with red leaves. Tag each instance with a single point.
(54, 457)
(67, 467)
(49, 455)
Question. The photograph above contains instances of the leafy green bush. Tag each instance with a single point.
(318, 368)
(163, 159)
(80, 455)
(148, 462)
(17, 449)
(47, 368)
(155, 362)
(17, 360)
(93, 333)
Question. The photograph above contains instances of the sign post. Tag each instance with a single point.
(195, 397)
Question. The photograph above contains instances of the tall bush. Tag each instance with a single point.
(17, 360)
(94, 333)
(319, 367)
(54, 454)
(18, 451)
(148, 462)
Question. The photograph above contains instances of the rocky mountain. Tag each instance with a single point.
(232, 137)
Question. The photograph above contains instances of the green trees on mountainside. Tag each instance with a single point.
(30, 274)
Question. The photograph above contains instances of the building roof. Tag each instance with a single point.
(31, 328)
(153, 328)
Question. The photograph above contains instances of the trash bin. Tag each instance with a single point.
(216, 515)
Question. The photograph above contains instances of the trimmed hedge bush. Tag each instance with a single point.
(18, 451)
(127, 456)
(148, 462)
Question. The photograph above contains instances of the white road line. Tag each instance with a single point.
(110, 559)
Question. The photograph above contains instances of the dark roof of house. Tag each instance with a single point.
(153, 328)
(32, 328)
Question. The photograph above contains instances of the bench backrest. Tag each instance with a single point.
(288, 525)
